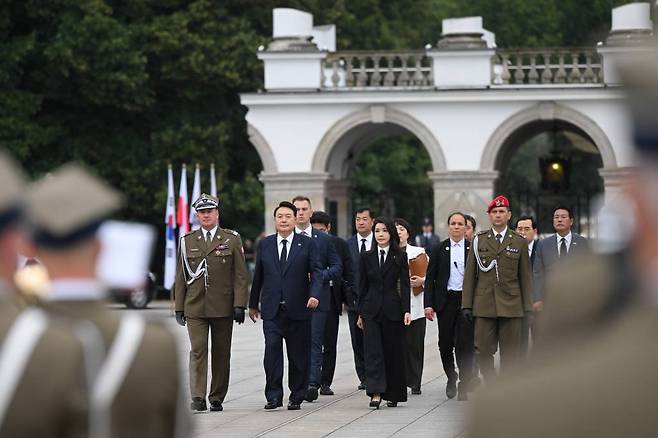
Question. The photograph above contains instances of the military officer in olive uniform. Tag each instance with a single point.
(497, 289)
(32, 402)
(211, 293)
(133, 369)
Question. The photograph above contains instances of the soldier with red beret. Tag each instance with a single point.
(497, 289)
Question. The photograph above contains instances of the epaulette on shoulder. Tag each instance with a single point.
(517, 234)
(235, 233)
(189, 233)
(480, 233)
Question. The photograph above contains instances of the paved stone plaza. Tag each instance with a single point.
(345, 414)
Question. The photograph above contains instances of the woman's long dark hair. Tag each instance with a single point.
(394, 243)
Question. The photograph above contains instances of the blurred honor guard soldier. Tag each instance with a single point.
(427, 239)
(443, 297)
(554, 248)
(287, 283)
(211, 293)
(331, 272)
(497, 289)
(33, 402)
(137, 385)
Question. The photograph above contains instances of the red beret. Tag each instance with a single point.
(498, 201)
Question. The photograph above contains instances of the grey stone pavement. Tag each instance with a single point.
(345, 414)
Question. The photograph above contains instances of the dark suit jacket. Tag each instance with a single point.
(426, 243)
(546, 259)
(332, 267)
(438, 274)
(342, 290)
(379, 293)
(533, 253)
(300, 279)
(355, 256)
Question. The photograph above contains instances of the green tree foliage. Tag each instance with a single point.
(129, 86)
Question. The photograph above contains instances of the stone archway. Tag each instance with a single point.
(546, 111)
(345, 140)
(584, 146)
(264, 150)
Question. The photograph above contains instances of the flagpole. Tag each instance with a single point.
(169, 276)
(196, 193)
(213, 180)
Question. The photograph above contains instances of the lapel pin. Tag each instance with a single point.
(198, 237)
(217, 252)
(447, 248)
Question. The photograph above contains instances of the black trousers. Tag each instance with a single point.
(329, 347)
(297, 335)
(385, 351)
(356, 334)
(455, 339)
(415, 334)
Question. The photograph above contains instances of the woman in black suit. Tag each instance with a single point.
(384, 310)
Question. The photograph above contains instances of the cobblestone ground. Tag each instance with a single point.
(346, 414)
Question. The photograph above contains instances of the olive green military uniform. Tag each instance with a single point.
(208, 304)
(499, 297)
(151, 400)
(50, 398)
(136, 387)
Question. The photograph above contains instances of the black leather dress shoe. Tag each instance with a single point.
(311, 393)
(391, 404)
(273, 404)
(362, 386)
(294, 406)
(451, 389)
(198, 404)
(416, 391)
(216, 406)
(326, 390)
(375, 403)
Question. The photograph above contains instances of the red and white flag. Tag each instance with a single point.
(183, 206)
(196, 194)
(170, 235)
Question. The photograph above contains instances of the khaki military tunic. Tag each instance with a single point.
(227, 280)
(51, 397)
(150, 402)
(208, 304)
(498, 297)
(507, 295)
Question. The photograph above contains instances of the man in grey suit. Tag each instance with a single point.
(554, 248)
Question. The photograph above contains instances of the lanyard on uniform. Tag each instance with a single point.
(493, 264)
(202, 269)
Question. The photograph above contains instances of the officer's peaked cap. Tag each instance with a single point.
(206, 202)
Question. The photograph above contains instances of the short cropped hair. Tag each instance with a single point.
(363, 209)
(471, 219)
(301, 198)
(563, 207)
(320, 217)
(286, 204)
(526, 218)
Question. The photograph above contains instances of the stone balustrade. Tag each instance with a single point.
(356, 70)
(546, 66)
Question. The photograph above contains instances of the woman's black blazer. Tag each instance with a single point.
(384, 291)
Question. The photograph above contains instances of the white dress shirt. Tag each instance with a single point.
(559, 242)
(502, 233)
(308, 231)
(531, 244)
(417, 301)
(212, 232)
(279, 246)
(456, 279)
(359, 239)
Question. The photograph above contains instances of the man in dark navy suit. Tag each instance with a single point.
(331, 272)
(359, 243)
(288, 283)
(527, 227)
(340, 293)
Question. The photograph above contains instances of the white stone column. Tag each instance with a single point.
(340, 191)
(467, 191)
(285, 186)
(614, 181)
